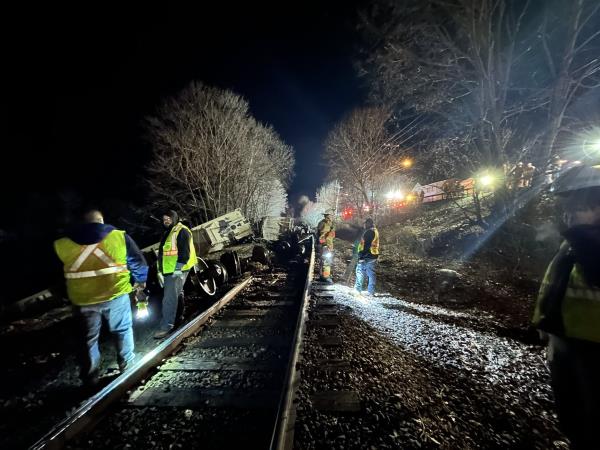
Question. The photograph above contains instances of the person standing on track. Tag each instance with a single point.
(99, 262)
(368, 252)
(176, 256)
(325, 237)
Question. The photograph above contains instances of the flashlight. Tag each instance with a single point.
(142, 310)
(141, 305)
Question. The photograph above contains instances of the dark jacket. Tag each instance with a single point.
(92, 233)
(368, 237)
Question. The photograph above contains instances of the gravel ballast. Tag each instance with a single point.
(424, 382)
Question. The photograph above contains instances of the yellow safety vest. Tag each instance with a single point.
(170, 253)
(326, 231)
(95, 273)
(579, 308)
(374, 244)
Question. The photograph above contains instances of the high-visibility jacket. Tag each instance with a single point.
(374, 249)
(95, 273)
(326, 232)
(571, 310)
(170, 253)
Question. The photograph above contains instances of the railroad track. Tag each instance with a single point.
(231, 384)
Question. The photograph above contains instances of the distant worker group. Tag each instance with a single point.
(365, 254)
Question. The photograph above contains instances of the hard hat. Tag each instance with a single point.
(329, 212)
(577, 178)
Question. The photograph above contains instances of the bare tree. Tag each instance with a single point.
(571, 51)
(474, 69)
(455, 64)
(361, 153)
(270, 200)
(211, 156)
(328, 196)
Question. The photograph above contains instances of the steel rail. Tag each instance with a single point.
(91, 411)
(283, 431)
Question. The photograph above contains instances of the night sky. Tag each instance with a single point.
(85, 80)
(82, 80)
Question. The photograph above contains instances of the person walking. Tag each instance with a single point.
(98, 263)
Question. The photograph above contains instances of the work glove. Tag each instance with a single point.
(178, 274)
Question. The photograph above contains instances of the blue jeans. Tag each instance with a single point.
(366, 268)
(173, 287)
(117, 314)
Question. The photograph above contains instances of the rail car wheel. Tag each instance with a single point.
(244, 264)
(261, 255)
(219, 272)
(203, 279)
(231, 261)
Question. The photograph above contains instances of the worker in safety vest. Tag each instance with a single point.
(568, 308)
(176, 256)
(99, 262)
(368, 252)
(325, 236)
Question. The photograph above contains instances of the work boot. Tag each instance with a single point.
(162, 333)
(127, 364)
(91, 381)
